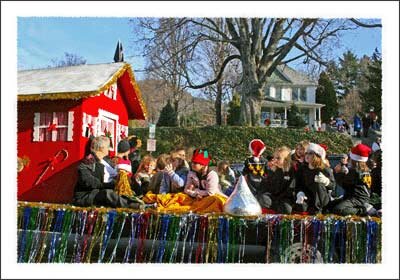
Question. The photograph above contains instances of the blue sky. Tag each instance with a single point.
(41, 39)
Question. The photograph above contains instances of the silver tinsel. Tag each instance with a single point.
(242, 202)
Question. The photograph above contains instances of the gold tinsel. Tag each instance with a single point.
(122, 186)
(180, 213)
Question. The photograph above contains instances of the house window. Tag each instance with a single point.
(268, 92)
(107, 129)
(303, 94)
(107, 126)
(295, 94)
(278, 94)
(53, 126)
(111, 92)
(89, 125)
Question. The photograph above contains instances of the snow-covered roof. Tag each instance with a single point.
(70, 79)
(81, 81)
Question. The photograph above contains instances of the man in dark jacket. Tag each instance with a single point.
(366, 123)
(134, 155)
(96, 179)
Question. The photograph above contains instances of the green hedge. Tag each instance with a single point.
(231, 142)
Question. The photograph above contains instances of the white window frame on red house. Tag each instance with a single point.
(111, 92)
(107, 117)
(121, 128)
(37, 126)
(86, 121)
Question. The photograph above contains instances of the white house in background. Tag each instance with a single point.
(285, 87)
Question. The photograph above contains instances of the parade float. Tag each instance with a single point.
(236, 233)
(59, 109)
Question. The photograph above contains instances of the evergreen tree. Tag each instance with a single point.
(191, 120)
(372, 97)
(325, 94)
(293, 117)
(348, 72)
(233, 117)
(168, 116)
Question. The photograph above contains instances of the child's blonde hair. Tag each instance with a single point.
(288, 160)
(303, 144)
(317, 162)
(146, 160)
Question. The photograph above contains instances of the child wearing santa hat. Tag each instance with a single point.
(313, 181)
(201, 181)
(124, 168)
(255, 169)
(357, 184)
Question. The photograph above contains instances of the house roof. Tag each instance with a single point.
(74, 82)
(284, 74)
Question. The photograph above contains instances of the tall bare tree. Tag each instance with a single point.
(167, 53)
(261, 44)
(213, 54)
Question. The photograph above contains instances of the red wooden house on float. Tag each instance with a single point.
(58, 110)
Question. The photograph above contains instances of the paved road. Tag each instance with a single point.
(369, 140)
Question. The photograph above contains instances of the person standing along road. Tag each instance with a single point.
(357, 125)
(366, 123)
(374, 119)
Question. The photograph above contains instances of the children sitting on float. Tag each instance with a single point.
(145, 171)
(155, 181)
(201, 180)
(181, 152)
(175, 174)
(313, 182)
(134, 155)
(124, 169)
(356, 182)
(298, 155)
(96, 179)
(280, 182)
(226, 177)
(123, 183)
(255, 169)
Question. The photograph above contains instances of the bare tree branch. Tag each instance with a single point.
(359, 23)
(226, 61)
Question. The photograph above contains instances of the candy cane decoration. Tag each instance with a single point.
(52, 163)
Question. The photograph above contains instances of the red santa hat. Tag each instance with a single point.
(201, 156)
(324, 146)
(124, 164)
(256, 147)
(317, 149)
(360, 152)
